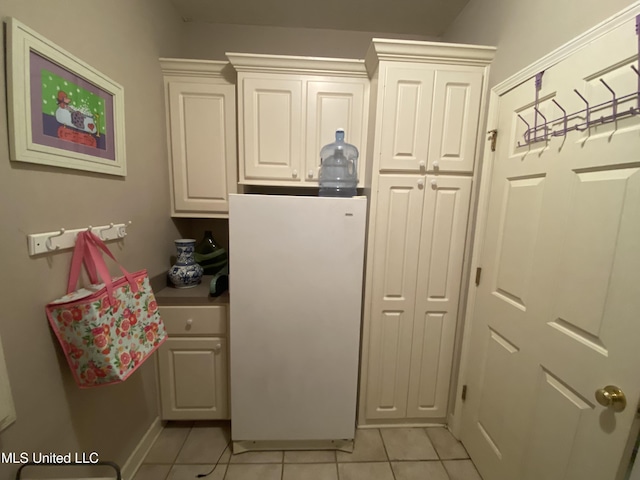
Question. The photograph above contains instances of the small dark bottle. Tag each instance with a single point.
(211, 257)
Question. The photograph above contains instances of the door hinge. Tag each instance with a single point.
(478, 275)
(493, 136)
(464, 393)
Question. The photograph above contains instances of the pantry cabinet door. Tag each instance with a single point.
(454, 121)
(271, 132)
(396, 245)
(442, 242)
(193, 378)
(333, 104)
(406, 118)
(203, 147)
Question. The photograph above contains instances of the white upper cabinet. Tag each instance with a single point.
(404, 141)
(289, 108)
(333, 104)
(271, 130)
(428, 105)
(200, 109)
(455, 119)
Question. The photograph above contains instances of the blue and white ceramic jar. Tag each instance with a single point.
(186, 273)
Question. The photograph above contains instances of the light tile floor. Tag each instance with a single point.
(186, 449)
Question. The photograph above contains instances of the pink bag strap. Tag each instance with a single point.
(101, 267)
(87, 249)
(97, 241)
(79, 255)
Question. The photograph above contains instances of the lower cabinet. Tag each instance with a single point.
(419, 240)
(193, 363)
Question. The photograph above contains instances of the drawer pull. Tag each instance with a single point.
(189, 322)
(217, 348)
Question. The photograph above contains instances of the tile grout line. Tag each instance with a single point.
(384, 445)
(434, 447)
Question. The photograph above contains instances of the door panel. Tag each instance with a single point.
(442, 241)
(454, 121)
(193, 378)
(516, 238)
(406, 118)
(333, 105)
(396, 245)
(272, 128)
(202, 147)
(563, 265)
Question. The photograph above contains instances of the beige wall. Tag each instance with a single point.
(211, 41)
(123, 39)
(525, 31)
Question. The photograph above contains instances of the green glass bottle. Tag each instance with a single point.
(210, 255)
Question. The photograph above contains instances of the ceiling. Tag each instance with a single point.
(412, 17)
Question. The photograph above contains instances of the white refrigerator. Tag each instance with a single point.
(295, 284)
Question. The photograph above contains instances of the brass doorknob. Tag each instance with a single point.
(611, 396)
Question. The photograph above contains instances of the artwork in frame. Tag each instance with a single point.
(62, 112)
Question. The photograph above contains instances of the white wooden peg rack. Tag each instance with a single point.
(64, 239)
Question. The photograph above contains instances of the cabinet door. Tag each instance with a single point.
(406, 118)
(454, 121)
(331, 105)
(193, 378)
(271, 130)
(442, 241)
(203, 147)
(397, 239)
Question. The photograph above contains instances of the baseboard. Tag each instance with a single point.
(140, 452)
(392, 424)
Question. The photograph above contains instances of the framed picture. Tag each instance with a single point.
(62, 112)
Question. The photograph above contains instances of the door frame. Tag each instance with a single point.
(556, 56)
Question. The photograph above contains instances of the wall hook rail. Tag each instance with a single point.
(65, 239)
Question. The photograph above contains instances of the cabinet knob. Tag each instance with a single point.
(310, 174)
(422, 164)
(436, 165)
(421, 183)
(294, 174)
(189, 322)
(217, 348)
(434, 184)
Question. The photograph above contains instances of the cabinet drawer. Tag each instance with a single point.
(203, 320)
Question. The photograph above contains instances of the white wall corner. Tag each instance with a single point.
(138, 455)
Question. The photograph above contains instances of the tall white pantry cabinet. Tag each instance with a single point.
(426, 104)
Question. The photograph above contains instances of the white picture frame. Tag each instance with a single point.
(62, 112)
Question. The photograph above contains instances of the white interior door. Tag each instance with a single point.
(557, 312)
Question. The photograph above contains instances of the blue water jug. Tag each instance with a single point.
(338, 168)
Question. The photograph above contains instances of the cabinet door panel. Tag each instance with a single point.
(193, 378)
(397, 237)
(203, 146)
(454, 123)
(332, 105)
(272, 129)
(442, 241)
(406, 118)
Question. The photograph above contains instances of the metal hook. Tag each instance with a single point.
(527, 133)
(564, 115)
(544, 126)
(638, 93)
(588, 114)
(615, 101)
(48, 243)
